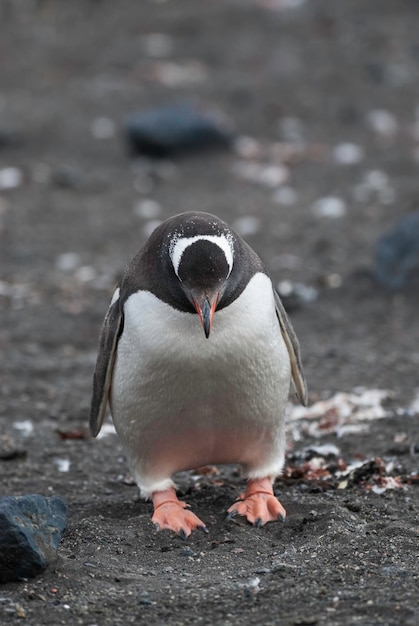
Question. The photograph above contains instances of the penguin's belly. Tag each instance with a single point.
(179, 400)
(209, 429)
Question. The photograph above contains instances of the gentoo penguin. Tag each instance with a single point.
(196, 355)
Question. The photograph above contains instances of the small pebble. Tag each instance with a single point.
(376, 180)
(382, 122)
(397, 253)
(147, 208)
(179, 74)
(85, 274)
(103, 128)
(20, 611)
(247, 147)
(281, 566)
(10, 178)
(291, 129)
(268, 175)
(157, 45)
(245, 226)
(24, 426)
(348, 153)
(305, 292)
(355, 507)
(375, 184)
(186, 551)
(67, 261)
(63, 465)
(144, 598)
(294, 294)
(414, 405)
(251, 587)
(332, 281)
(330, 207)
(326, 449)
(9, 449)
(286, 196)
(68, 176)
(9, 136)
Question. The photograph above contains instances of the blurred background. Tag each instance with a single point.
(297, 122)
(302, 130)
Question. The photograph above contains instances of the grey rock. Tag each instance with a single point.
(68, 177)
(172, 130)
(397, 253)
(9, 137)
(30, 531)
(9, 449)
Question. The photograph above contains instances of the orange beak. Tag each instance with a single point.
(206, 309)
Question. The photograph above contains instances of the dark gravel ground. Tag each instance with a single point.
(302, 79)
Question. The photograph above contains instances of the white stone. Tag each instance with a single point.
(247, 225)
(85, 274)
(348, 153)
(382, 122)
(176, 74)
(67, 261)
(266, 174)
(147, 208)
(24, 426)
(329, 206)
(291, 128)
(287, 196)
(247, 147)
(103, 128)
(376, 180)
(63, 465)
(10, 178)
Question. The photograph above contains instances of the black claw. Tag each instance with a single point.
(183, 535)
(258, 522)
(281, 518)
(203, 529)
(231, 515)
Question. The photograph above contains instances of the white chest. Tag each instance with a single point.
(170, 382)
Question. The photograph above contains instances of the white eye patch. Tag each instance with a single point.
(178, 247)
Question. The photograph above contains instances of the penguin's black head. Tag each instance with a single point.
(203, 264)
(195, 263)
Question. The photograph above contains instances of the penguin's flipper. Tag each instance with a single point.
(111, 331)
(293, 347)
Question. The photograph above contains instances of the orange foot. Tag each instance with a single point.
(170, 514)
(258, 504)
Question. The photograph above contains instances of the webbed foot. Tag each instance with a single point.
(258, 503)
(172, 514)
